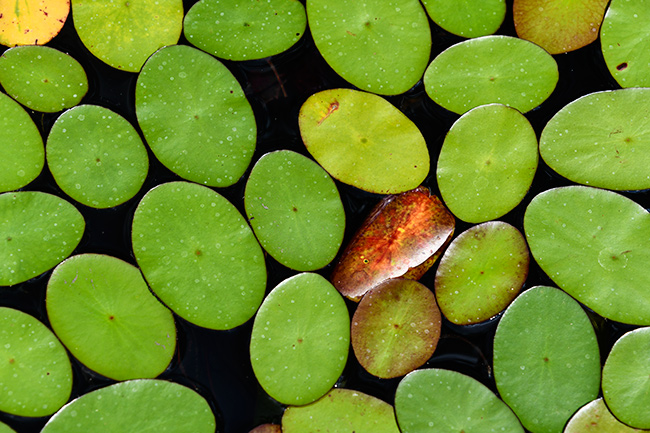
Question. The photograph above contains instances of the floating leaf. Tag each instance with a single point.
(195, 116)
(300, 339)
(491, 69)
(31, 22)
(487, 163)
(267, 428)
(295, 210)
(4, 428)
(595, 417)
(364, 141)
(253, 29)
(467, 18)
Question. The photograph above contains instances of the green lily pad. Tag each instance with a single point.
(300, 339)
(559, 27)
(624, 42)
(381, 47)
(491, 69)
(125, 33)
(195, 117)
(546, 359)
(601, 140)
(467, 18)
(595, 417)
(481, 272)
(22, 154)
(143, 405)
(4, 428)
(25, 23)
(103, 312)
(438, 401)
(487, 163)
(42, 78)
(626, 388)
(37, 231)
(577, 237)
(295, 210)
(36, 377)
(199, 255)
(236, 30)
(341, 410)
(364, 141)
(96, 156)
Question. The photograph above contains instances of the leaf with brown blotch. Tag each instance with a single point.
(31, 22)
(267, 428)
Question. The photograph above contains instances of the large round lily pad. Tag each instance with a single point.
(96, 156)
(487, 163)
(295, 210)
(245, 30)
(143, 405)
(36, 377)
(199, 255)
(491, 69)
(195, 116)
(380, 46)
(444, 401)
(37, 231)
(31, 22)
(595, 417)
(364, 141)
(102, 310)
(546, 359)
(300, 339)
(593, 244)
(601, 140)
(467, 18)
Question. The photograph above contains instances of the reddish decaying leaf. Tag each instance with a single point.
(267, 428)
(398, 238)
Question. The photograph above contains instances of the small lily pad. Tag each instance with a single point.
(267, 428)
(37, 231)
(467, 18)
(143, 405)
(481, 272)
(491, 69)
(42, 78)
(444, 401)
(103, 312)
(364, 141)
(199, 255)
(300, 339)
(546, 359)
(487, 163)
(22, 154)
(195, 117)
(626, 388)
(36, 377)
(295, 210)
(380, 47)
(31, 22)
(595, 417)
(96, 156)
(253, 29)
(593, 244)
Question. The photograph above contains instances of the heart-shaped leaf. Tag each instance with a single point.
(595, 417)
(467, 18)
(31, 22)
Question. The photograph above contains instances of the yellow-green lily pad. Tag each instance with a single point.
(467, 18)
(595, 417)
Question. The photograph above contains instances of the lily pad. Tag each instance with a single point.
(601, 140)
(22, 154)
(595, 417)
(487, 163)
(626, 388)
(481, 272)
(395, 328)
(143, 405)
(577, 237)
(248, 30)
(546, 359)
(42, 78)
(96, 156)
(36, 377)
(267, 428)
(381, 47)
(31, 22)
(491, 69)
(4, 428)
(199, 255)
(300, 339)
(341, 410)
(195, 117)
(103, 312)
(364, 141)
(402, 236)
(37, 231)
(125, 33)
(295, 210)
(467, 18)
(444, 401)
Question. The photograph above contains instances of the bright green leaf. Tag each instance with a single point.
(467, 18)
